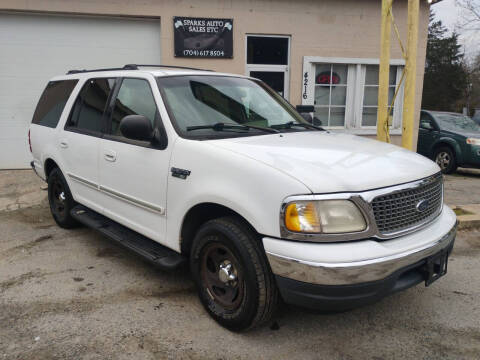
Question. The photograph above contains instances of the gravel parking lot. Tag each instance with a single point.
(75, 295)
(463, 187)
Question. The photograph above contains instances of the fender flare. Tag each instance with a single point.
(49, 156)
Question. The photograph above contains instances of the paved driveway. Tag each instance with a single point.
(463, 187)
(75, 295)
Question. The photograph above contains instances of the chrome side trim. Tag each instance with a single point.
(355, 272)
(83, 181)
(118, 195)
(132, 200)
(363, 201)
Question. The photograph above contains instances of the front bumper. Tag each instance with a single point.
(346, 275)
(472, 158)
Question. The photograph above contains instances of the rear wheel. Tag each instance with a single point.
(233, 278)
(445, 158)
(60, 200)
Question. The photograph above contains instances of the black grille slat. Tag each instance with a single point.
(397, 211)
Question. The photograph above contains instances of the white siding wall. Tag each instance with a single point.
(34, 48)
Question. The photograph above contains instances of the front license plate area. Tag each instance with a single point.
(436, 267)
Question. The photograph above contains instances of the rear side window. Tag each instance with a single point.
(134, 98)
(87, 113)
(52, 102)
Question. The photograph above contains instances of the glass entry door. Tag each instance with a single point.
(275, 79)
(268, 60)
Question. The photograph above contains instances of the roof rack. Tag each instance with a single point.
(134, 67)
(165, 66)
(126, 67)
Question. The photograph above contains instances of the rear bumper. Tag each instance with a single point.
(36, 171)
(32, 165)
(318, 276)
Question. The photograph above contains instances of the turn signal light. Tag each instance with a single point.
(302, 217)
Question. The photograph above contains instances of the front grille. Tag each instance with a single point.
(397, 211)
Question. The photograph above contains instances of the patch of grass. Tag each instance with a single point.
(460, 211)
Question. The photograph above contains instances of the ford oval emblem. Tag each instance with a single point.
(422, 205)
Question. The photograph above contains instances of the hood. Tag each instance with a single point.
(333, 162)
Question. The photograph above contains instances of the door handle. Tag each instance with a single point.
(63, 144)
(110, 156)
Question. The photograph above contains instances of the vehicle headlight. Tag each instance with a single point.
(473, 141)
(324, 216)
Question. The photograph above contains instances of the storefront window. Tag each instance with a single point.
(331, 94)
(370, 93)
(345, 94)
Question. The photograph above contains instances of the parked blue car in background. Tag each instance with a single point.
(452, 140)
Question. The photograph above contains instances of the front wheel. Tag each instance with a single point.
(60, 200)
(233, 278)
(445, 158)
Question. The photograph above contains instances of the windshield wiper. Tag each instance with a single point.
(291, 124)
(222, 126)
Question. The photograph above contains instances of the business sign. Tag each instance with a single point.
(203, 37)
(327, 78)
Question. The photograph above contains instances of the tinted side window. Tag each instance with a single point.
(87, 113)
(134, 98)
(52, 102)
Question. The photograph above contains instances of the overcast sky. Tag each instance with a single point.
(448, 13)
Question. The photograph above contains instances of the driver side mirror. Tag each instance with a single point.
(308, 117)
(317, 121)
(426, 126)
(306, 112)
(137, 127)
(305, 108)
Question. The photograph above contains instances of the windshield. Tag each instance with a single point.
(196, 102)
(456, 122)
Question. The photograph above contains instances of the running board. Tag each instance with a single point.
(152, 251)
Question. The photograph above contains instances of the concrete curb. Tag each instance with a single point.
(469, 216)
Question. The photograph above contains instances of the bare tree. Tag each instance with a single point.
(469, 18)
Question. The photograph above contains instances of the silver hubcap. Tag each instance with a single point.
(226, 273)
(61, 197)
(443, 160)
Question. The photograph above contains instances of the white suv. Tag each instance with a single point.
(219, 170)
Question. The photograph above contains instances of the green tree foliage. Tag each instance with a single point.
(473, 94)
(445, 80)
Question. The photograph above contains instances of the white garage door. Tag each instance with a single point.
(34, 48)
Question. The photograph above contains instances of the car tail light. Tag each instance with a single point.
(29, 141)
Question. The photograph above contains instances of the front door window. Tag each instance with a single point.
(134, 98)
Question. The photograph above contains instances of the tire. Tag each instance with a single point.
(233, 278)
(60, 200)
(445, 158)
